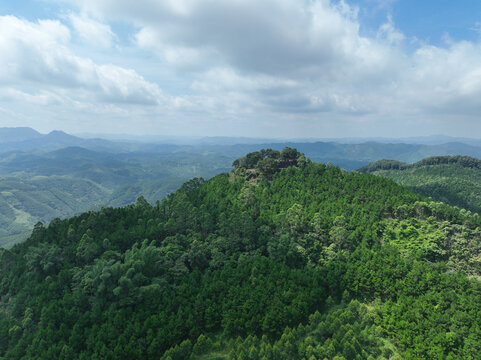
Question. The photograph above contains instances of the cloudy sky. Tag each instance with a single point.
(259, 68)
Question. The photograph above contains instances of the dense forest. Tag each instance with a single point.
(455, 180)
(41, 186)
(282, 258)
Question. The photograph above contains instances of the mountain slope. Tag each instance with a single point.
(220, 268)
(25, 202)
(16, 134)
(45, 185)
(27, 139)
(455, 180)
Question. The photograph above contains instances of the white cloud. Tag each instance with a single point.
(300, 56)
(36, 59)
(244, 60)
(446, 80)
(125, 85)
(389, 32)
(92, 32)
(477, 27)
(313, 43)
(43, 98)
(384, 4)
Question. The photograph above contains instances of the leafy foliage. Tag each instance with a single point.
(314, 262)
(267, 162)
(455, 180)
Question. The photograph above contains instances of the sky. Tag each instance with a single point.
(256, 68)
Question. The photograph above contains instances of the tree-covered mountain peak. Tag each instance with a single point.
(266, 162)
(314, 262)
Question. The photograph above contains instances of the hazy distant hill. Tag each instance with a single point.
(455, 180)
(40, 186)
(346, 155)
(232, 140)
(26, 139)
(17, 134)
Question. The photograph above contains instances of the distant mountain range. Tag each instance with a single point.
(11, 135)
(89, 173)
(17, 135)
(232, 140)
(26, 139)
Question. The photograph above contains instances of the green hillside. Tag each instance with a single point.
(24, 202)
(281, 259)
(455, 180)
(45, 185)
(117, 173)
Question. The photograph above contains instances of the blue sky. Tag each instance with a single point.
(427, 20)
(271, 68)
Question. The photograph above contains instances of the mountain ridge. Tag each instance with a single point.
(312, 261)
(14, 134)
(455, 180)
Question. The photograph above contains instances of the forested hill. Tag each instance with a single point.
(455, 180)
(300, 261)
(63, 183)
